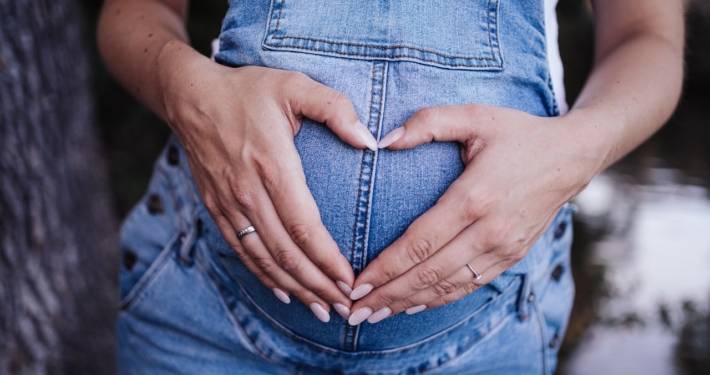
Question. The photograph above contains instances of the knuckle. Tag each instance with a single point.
(426, 277)
(419, 250)
(444, 287)
(468, 211)
(514, 256)
(211, 205)
(239, 251)
(406, 303)
(337, 99)
(293, 78)
(321, 290)
(476, 110)
(268, 265)
(470, 287)
(243, 196)
(496, 235)
(300, 233)
(383, 300)
(427, 114)
(288, 259)
(299, 292)
(268, 172)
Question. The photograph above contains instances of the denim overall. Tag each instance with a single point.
(188, 304)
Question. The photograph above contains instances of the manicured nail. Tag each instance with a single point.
(344, 287)
(361, 291)
(366, 136)
(320, 312)
(415, 309)
(343, 310)
(379, 315)
(391, 137)
(280, 294)
(359, 316)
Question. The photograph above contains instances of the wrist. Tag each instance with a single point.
(590, 141)
(179, 70)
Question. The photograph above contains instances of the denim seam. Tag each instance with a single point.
(543, 336)
(373, 169)
(352, 333)
(230, 314)
(287, 332)
(274, 35)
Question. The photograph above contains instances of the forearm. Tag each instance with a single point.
(632, 90)
(136, 36)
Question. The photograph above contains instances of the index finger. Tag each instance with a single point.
(424, 237)
(299, 214)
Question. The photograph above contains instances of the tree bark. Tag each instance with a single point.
(57, 228)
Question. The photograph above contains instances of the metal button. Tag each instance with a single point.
(560, 231)
(555, 340)
(557, 272)
(531, 297)
(129, 259)
(155, 204)
(173, 155)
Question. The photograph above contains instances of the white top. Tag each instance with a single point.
(553, 55)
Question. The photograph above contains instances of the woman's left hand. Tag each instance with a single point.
(520, 170)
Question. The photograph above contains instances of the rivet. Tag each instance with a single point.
(129, 259)
(560, 231)
(155, 204)
(557, 272)
(173, 155)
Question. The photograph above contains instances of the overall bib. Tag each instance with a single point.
(188, 304)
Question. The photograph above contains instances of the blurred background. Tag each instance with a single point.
(641, 256)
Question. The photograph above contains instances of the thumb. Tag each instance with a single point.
(324, 104)
(445, 123)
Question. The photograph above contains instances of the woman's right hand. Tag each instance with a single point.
(237, 126)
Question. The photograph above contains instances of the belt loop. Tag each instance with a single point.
(189, 242)
(524, 297)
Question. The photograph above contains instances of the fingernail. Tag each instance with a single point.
(415, 309)
(379, 315)
(359, 316)
(366, 136)
(344, 287)
(361, 291)
(391, 137)
(343, 310)
(280, 294)
(320, 312)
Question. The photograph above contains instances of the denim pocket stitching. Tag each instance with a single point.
(332, 44)
(542, 329)
(424, 341)
(221, 289)
(131, 297)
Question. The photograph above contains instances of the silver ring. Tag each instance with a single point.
(245, 231)
(476, 275)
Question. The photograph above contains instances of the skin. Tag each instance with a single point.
(237, 127)
(520, 169)
(240, 149)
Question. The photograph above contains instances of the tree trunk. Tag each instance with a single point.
(57, 228)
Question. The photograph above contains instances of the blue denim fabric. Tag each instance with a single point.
(188, 305)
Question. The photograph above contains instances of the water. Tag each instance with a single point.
(653, 244)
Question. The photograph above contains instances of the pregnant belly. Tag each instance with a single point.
(367, 200)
